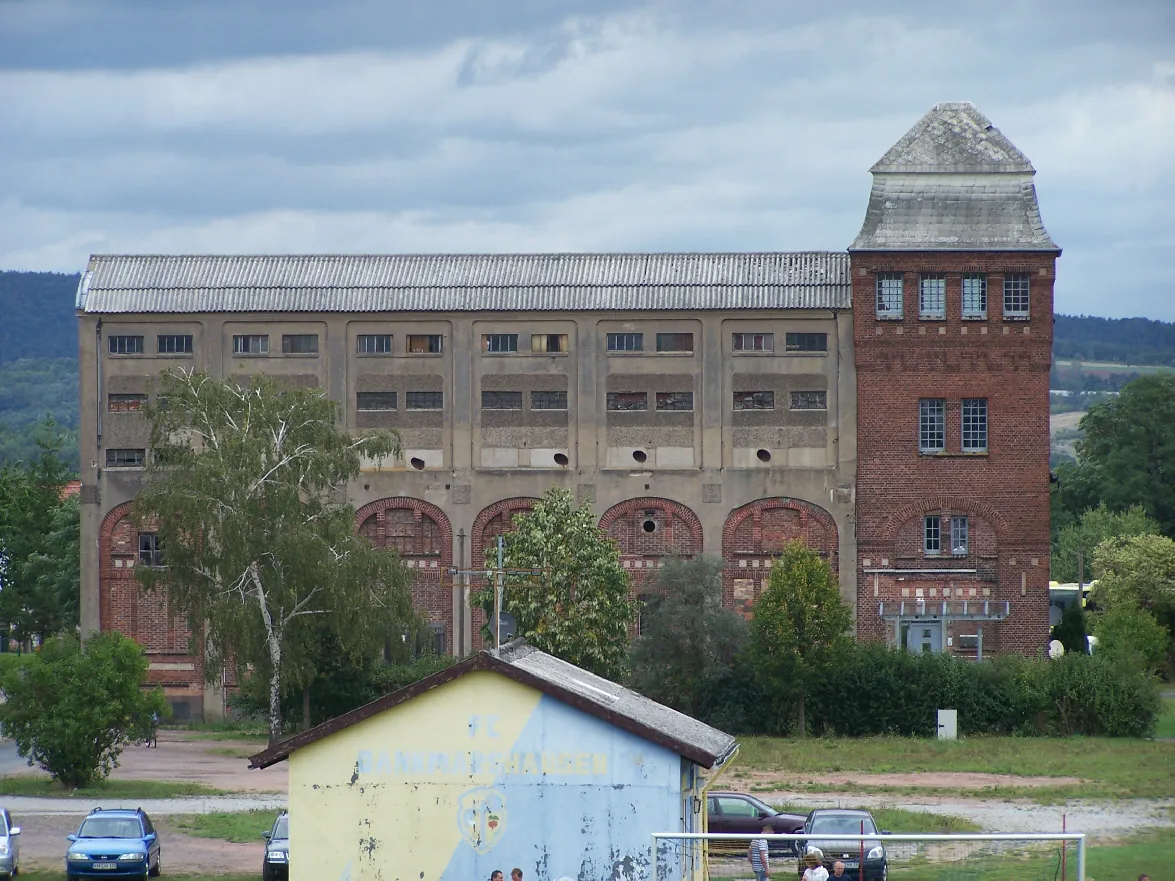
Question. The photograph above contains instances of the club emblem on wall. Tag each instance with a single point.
(481, 817)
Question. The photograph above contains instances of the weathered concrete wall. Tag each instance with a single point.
(479, 774)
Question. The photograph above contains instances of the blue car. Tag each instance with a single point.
(113, 844)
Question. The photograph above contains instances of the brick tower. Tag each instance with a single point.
(952, 323)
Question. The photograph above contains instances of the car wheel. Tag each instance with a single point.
(154, 873)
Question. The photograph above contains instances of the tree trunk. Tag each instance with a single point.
(306, 707)
(802, 723)
(275, 692)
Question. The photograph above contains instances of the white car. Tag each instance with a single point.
(9, 845)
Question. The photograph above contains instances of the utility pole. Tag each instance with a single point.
(500, 573)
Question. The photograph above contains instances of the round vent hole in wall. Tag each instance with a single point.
(561, 459)
(649, 525)
(764, 455)
(640, 455)
(416, 463)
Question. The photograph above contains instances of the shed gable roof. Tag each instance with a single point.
(599, 697)
(464, 282)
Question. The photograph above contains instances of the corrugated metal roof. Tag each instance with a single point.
(465, 282)
(615, 704)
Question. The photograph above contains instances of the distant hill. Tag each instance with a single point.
(38, 320)
(1115, 340)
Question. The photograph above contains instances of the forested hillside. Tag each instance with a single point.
(1116, 340)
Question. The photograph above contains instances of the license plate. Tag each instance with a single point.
(105, 865)
(850, 864)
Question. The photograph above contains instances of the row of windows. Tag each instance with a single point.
(491, 343)
(936, 527)
(557, 400)
(932, 295)
(932, 425)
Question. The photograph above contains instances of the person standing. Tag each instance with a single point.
(516, 874)
(760, 861)
(815, 861)
(496, 875)
(838, 870)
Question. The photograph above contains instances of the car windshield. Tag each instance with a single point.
(843, 824)
(282, 828)
(110, 827)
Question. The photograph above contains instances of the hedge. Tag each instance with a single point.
(869, 689)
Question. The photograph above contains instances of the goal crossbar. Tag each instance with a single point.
(1078, 837)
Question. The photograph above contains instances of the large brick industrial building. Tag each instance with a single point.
(888, 404)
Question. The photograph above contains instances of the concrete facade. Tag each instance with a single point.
(732, 428)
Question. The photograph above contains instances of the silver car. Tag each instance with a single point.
(9, 845)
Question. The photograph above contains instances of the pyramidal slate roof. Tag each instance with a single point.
(464, 282)
(953, 182)
(594, 695)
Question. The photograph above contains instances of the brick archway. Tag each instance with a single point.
(492, 521)
(757, 532)
(898, 518)
(421, 534)
(650, 529)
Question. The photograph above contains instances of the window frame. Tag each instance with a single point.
(139, 460)
(638, 338)
(151, 556)
(796, 341)
(932, 535)
(262, 340)
(412, 340)
(665, 337)
(960, 536)
(667, 398)
(1017, 285)
(288, 344)
(491, 343)
(822, 400)
(359, 408)
(500, 397)
(377, 351)
(761, 343)
(936, 409)
(753, 397)
(612, 402)
(934, 284)
(534, 399)
(185, 348)
(410, 405)
(978, 430)
(140, 399)
(563, 339)
(973, 314)
(885, 284)
(120, 344)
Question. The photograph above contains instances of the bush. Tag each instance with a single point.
(871, 689)
(71, 708)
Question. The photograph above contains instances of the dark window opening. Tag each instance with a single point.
(425, 344)
(375, 401)
(754, 400)
(125, 403)
(373, 344)
(675, 342)
(425, 400)
(501, 400)
(548, 400)
(299, 344)
(126, 345)
(626, 342)
(174, 343)
(675, 400)
(150, 551)
(628, 401)
(125, 458)
(807, 342)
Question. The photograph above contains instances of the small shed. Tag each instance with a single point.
(506, 759)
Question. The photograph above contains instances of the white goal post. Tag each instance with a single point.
(687, 856)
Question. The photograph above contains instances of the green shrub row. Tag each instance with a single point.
(868, 689)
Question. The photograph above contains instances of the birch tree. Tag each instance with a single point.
(243, 490)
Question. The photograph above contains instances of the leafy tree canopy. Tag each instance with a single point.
(1095, 526)
(242, 489)
(71, 709)
(1131, 635)
(575, 606)
(686, 635)
(799, 621)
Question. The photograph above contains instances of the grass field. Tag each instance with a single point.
(1107, 767)
(41, 786)
(248, 730)
(240, 827)
(1166, 726)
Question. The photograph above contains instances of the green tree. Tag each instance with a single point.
(576, 605)
(800, 620)
(39, 543)
(1070, 631)
(687, 635)
(243, 490)
(71, 709)
(1138, 571)
(1128, 448)
(1131, 635)
(1095, 526)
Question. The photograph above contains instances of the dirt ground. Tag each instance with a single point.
(1062, 421)
(221, 764)
(43, 846)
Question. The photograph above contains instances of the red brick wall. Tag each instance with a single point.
(144, 617)
(492, 521)
(648, 530)
(757, 532)
(422, 535)
(1005, 492)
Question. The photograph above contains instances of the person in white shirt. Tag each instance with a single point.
(815, 860)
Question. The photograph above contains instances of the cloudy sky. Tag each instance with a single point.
(568, 125)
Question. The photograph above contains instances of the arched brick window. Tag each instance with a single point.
(650, 529)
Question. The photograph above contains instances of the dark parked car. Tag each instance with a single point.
(736, 812)
(844, 822)
(113, 844)
(277, 850)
